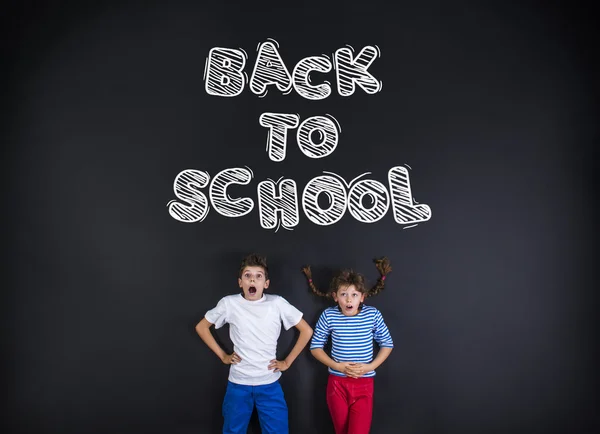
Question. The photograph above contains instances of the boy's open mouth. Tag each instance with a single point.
(349, 306)
(252, 290)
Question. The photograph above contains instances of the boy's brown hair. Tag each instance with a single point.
(254, 260)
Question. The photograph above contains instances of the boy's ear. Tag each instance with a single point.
(267, 283)
(240, 282)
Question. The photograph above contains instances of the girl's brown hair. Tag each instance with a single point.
(349, 277)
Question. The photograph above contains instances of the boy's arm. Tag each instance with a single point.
(305, 334)
(203, 330)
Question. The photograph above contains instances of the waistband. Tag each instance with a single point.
(350, 380)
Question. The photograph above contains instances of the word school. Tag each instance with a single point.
(367, 200)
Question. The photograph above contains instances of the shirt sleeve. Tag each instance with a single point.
(218, 314)
(321, 332)
(290, 316)
(381, 334)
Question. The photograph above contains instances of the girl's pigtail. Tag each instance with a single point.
(308, 274)
(384, 268)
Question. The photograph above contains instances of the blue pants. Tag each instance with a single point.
(270, 405)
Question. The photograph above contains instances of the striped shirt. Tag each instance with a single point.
(351, 336)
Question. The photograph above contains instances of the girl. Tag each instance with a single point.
(353, 326)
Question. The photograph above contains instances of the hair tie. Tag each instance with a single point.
(310, 280)
(382, 277)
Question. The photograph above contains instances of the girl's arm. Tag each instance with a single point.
(359, 369)
(382, 354)
(322, 357)
(344, 367)
(322, 332)
(305, 334)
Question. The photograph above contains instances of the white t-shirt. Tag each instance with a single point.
(254, 328)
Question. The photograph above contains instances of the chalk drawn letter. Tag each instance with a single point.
(269, 69)
(224, 72)
(378, 195)
(350, 71)
(405, 211)
(219, 198)
(270, 202)
(328, 135)
(278, 124)
(301, 77)
(334, 189)
(186, 186)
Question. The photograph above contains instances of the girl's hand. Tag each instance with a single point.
(357, 370)
(346, 369)
(232, 359)
(278, 366)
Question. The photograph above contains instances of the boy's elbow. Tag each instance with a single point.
(304, 328)
(202, 326)
(308, 332)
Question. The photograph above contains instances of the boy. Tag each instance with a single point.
(254, 325)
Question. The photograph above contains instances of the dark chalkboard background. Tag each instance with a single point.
(491, 303)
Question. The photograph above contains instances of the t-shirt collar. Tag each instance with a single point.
(260, 300)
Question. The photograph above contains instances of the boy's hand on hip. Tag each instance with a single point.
(232, 359)
(278, 366)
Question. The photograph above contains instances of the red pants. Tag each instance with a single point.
(350, 402)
